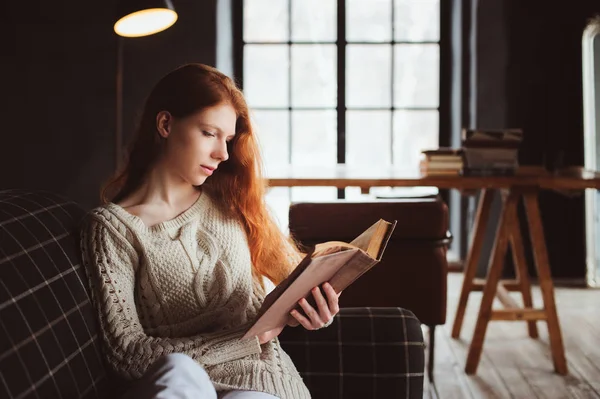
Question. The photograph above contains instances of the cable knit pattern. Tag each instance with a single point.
(184, 285)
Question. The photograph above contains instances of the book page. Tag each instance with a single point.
(372, 239)
(331, 247)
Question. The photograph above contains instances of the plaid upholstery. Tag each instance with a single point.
(366, 353)
(48, 340)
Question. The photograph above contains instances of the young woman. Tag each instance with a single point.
(178, 255)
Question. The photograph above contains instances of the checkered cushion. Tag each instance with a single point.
(48, 341)
(366, 353)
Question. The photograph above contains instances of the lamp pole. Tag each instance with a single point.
(119, 107)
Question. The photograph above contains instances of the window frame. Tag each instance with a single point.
(445, 73)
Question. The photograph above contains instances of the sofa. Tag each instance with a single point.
(49, 342)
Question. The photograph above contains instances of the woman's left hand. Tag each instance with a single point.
(327, 308)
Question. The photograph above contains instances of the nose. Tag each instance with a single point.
(220, 153)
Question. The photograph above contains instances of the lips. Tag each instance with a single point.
(208, 169)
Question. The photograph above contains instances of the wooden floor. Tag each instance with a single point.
(512, 364)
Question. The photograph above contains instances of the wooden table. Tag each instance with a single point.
(341, 176)
(525, 185)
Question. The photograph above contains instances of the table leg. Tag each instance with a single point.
(540, 254)
(481, 220)
(493, 276)
(516, 243)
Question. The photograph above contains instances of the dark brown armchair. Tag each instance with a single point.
(413, 271)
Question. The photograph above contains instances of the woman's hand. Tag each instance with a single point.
(269, 335)
(327, 308)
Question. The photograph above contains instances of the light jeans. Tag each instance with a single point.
(178, 376)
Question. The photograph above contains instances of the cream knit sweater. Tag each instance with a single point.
(184, 285)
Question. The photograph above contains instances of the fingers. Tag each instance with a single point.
(313, 321)
(301, 319)
(322, 304)
(332, 299)
(313, 315)
(327, 308)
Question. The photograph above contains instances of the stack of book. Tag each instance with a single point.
(441, 161)
(491, 152)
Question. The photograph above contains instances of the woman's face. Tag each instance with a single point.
(197, 144)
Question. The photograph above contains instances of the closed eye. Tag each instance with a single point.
(208, 134)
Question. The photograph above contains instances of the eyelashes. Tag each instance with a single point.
(209, 134)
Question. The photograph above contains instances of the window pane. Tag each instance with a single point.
(273, 132)
(417, 75)
(368, 75)
(417, 20)
(414, 131)
(266, 21)
(313, 194)
(314, 138)
(369, 20)
(368, 138)
(314, 71)
(278, 203)
(356, 194)
(314, 20)
(266, 82)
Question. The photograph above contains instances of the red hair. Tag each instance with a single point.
(238, 183)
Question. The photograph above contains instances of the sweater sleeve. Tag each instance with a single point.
(110, 262)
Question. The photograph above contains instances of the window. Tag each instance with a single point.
(341, 81)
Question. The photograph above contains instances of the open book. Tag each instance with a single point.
(336, 262)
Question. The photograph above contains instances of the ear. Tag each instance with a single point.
(163, 123)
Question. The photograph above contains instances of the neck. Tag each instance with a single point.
(164, 188)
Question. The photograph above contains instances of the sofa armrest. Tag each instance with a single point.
(364, 353)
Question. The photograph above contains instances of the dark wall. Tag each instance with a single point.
(57, 89)
(58, 73)
(544, 92)
(526, 64)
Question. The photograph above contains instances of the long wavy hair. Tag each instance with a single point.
(237, 183)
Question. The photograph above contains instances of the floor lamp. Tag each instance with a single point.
(135, 18)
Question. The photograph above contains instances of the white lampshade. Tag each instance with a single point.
(143, 18)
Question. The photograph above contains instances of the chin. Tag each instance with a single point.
(198, 180)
